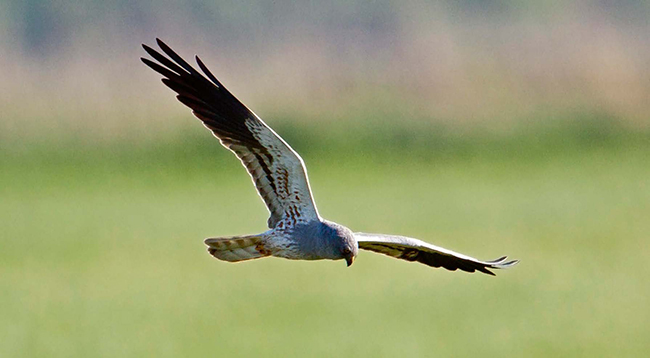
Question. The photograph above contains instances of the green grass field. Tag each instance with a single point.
(102, 255)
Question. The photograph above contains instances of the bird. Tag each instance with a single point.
(296, 230)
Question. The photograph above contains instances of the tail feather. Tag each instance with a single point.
(237, 248)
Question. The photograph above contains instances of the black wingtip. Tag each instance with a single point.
(207, 72)
(163, 46)
(497, 261)
(486, 271)
(153, 53)
(502, 264)
(497, 264)
(509, 263)
(147, 48)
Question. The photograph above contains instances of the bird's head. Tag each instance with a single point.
(346, 245)
(327, 240)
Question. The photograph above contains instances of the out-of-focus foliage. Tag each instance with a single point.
(71, 66)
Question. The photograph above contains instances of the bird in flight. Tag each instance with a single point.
(296, 230)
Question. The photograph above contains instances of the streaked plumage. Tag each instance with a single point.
(296, 230)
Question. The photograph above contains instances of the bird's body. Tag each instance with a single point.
(308, 240)
(296, 230)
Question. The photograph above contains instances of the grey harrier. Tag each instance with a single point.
(296, 230)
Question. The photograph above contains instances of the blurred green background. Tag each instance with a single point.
(490, 128)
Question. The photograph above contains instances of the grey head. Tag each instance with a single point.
(326, 240)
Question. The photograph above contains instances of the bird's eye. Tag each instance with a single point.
(346, 251)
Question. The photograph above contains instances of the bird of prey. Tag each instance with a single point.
(296, 230)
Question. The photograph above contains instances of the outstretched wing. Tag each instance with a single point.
(410, 249)
(277, 171)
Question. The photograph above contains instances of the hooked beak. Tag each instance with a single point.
(349, 260)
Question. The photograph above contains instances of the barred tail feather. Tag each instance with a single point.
(237, 248)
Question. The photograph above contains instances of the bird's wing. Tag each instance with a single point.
(410, 249)
(277, 171)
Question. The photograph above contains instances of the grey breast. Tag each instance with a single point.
(317, 240)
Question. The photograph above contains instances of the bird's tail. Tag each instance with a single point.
(237, 248)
